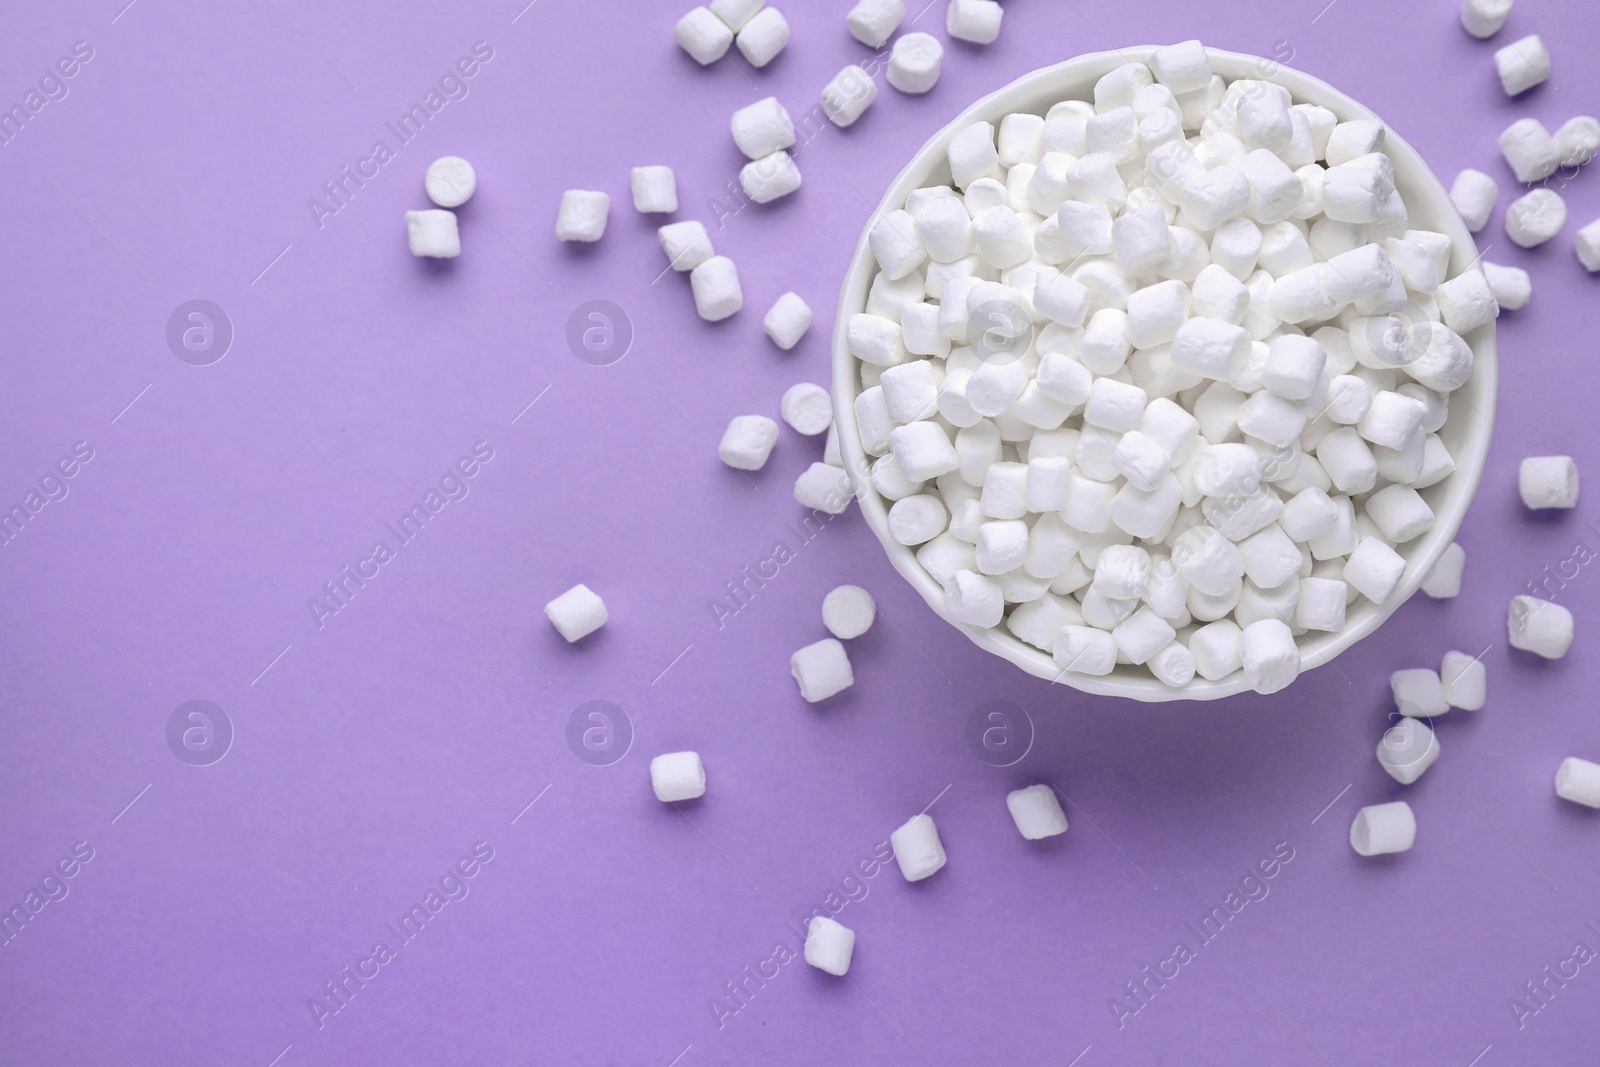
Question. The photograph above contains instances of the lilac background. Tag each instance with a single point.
(371, 754)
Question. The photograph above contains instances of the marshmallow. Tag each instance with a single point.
(1523, 64)
(822, 670)
(763, 37)
(703, 35)
(824, 487)
(915, 520)
(577, 613)
(1183, 67)
(655, 190)
(582, 216)
(1321, 604)
(1210, 347)
(872, 22)
(1207, 560)
(1466, 302)
(975, 599)
(1084, 650)
(763, 128)
(1269, 656)
(977, 21)
(433, 234)
(1002, 237)
(1444, 580)
(687, 245)
(450, 181)
(1002, 546)
(1383, 829)
(1578, 140)
(848, 611)
(1418, 692)
(1156, 312)
(808, 408)
(1512, 287)
(847, 97)
(1578, 780)
(1141, 239)
(829, 945)
(1216, 649)
(1392, 421)
(1400, 513)
(1352, 140)
(787, 320)
(716, 288)
(895, 244)
(1215, 197)
(1483, 18)
(1548, 482)
(973, 155)
(1588, 246)
(1374, 570)
(1356, 191)
(1141, 635)
(1530, 150)
(1037, 812)
(748, 442)
(1407, 749)
(1294, 367)
(677, 776)
(736, 13)
(1539, 626)
(915, 62)
(917, 848)
(1173, 666)
(769, 178)
(1465, 681)
(1270, 556)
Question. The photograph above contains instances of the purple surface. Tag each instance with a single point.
(374, 752)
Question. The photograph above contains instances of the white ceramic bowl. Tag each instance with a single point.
(1466, 434)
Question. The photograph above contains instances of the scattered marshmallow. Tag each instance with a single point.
(1444, 580)
(655, 190)
(847, 97)
(1548, 482)
(763, 37)
(1465, 681)
(433, 234)
(450, 181)
(716, 288)
(787, 321)
(1384, 829)
(577, 613)
(736, 13)
(977, 21)
(1530, 150)
(747, 442)
(1484, 18)
(763, 128)
(1578, 140)
(677, 776)
(1523, 64)
(686, 244)
(770, 177)
(1408, 748)
(1474, 194)
(582, 216)
(1037, 812)
(703, 35)
(822, 670)
(829, 945)
(1418, 692)
(1512, 286)
(917, 848)
(1539, 626)
(1533, 219)
(1588, 246)
(915, 63)
(1578, 780)
(872, 22)
(824, 487)
(848, 611)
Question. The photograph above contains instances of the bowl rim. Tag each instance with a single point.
(1421, 189)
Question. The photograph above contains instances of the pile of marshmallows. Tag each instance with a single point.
(1158, 380)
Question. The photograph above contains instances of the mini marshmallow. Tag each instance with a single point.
(1269, 656)
(917, 848)
(716, 289)
(848, 611)
(763, 128)
(1548, 482)
(1294, 367)
(1384, 829)
(1215, 197)
(1141, 239)
(1400, 513)
(829, 945)
(975, 599)
(915, 62)
(763, 37)
(1141, 635)
(677, 776)
(1466, 302)
(1530, 150)
(872, 22)
(1352, 140)
(1037, 812)
(847, 97)
(876, 340)
(1483, 18)
(433, 234)
(1356, 191)
(1444, 580)
(450, 181)
(1270, 556)
(1215, 648)
(807, 408)
(1392, 421)
(915, 520)
(1374, 570)
(822, 670)
(824, 487)
(1512, 286)
(1578, 780)
(686, 244)
(736, 13)
(655, 190)
(577, 613)
(769, 178)
(1578, 140)
(1533, 219)
(1418, 692)
(1321, 605)
(1211, 348)
(977, 21)
(1539, 626)
(787, 320)
(973, 155)
(1465, 681)
(1084, 650)
(1407, 749)
(703, 35)
(1183, 67)
(1588, 246)
(748, 442)
(582, 216)
(1523, 64)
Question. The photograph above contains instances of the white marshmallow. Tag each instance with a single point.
(1084, 650)
(1020, 140)
(1407, 749)
(848, 95)
(716, 289)
(577, 613)
(1400, 513)
(848, 611)
(1002, 237)
(1216, 649)
(763, 37)
(677, 776)
(1141, 239)
(809, 409)
(1294, 367)
(703, 35)
(1215, 197)
(1156, 312)
(1383, 829)
(1444, 580)
(829, 945)
(1272, 418)
(973, 155)
(1588, 246)
(1002, 546)
(1037, 812)
(1530, 150)
(1523, 64)
(1227, 470)
(915, 520)
(822, 670)
(1578, 140)
(748, 442)
(1356, 191)
(1374, 570)
(977, 21)
(1483, 18)
(1183, 67)
(1466, 302)
(769, 178)
(1578, 780)
(896, 245)
(686, 244)
(1211, 348)
(1465, 681)
(1270, 556)
(450, 181)
(655, 190)
(1321, 604)
(1141, 635)
(1512, 286)
(915, 63)
(763, 128)
(917, 848)
(1207, 560)
(736, 13)
(975, 599)
(1418, 692)
(1392, 421)
(787, 320)
(923, 450)
(1539, 626)
(872, 22)
(1548, 482)
(824, 487)
(1269, 656)
(433, 233)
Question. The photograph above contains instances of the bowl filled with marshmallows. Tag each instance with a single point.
(1165, 373)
